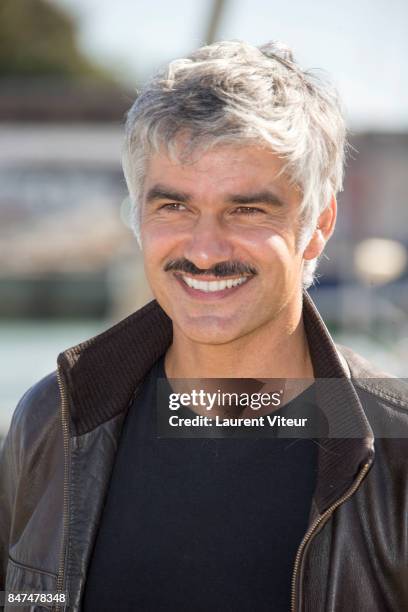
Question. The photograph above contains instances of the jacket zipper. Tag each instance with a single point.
(322, 519)
(65, 431)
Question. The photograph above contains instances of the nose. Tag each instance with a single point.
(208, 243)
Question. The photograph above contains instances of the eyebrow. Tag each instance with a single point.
(260, 197)
(161, 192)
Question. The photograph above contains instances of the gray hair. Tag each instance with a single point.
(233, 93)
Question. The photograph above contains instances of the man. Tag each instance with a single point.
(233, 159)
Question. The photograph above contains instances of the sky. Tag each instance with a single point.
(361, 44)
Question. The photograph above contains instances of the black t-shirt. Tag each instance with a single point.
(199, 524)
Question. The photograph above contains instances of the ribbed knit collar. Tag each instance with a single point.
(102, 374)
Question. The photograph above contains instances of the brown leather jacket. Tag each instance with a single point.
(57, 459)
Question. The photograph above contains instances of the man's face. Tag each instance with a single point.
(219, 241)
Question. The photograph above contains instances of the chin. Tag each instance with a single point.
(210, 330)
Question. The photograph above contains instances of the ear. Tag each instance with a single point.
(324, 229)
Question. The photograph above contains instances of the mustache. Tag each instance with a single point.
(223, 268)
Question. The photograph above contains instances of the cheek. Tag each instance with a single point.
(157, 241)
(281, 255)
(279, 246)
(269, 248)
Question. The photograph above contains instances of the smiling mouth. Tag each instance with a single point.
(213, 286)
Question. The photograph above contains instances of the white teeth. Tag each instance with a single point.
(208, 286)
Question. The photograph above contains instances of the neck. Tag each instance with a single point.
(276, 350)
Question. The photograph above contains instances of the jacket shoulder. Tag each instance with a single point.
(36, 413)
(384, 397)
(40, 400)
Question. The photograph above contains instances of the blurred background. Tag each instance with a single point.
(69, 69)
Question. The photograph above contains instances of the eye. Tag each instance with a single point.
(173, 206)
(248, 210)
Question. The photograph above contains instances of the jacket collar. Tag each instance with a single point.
(351, 441)
(102, 374)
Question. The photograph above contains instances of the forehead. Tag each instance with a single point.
(220, 169)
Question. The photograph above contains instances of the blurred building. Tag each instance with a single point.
(370, 294)
(61, 187)
(61, 233)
